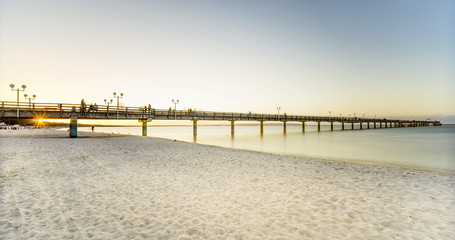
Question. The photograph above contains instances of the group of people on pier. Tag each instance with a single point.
(90, 108)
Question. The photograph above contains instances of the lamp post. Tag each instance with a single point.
(107, 102)
(175, 102)
(278, 108)
(29, 99)
(18, 90)
(118, 97)
(330, 114)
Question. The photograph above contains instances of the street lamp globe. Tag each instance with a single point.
(11, 85)
(24, 86)
(25, 95)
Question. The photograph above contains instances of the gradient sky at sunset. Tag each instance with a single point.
(389, 58)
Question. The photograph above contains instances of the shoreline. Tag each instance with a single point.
(143, 187)
(89, 134)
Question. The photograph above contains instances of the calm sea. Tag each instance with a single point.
(422, 147)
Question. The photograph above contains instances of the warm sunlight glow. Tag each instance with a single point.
(55, 120)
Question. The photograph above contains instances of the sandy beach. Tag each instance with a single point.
(125, 187)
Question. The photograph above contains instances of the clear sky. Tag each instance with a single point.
(389, 58)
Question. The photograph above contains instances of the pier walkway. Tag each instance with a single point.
(25, 110)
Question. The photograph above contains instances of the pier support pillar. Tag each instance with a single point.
(361, 127)
(331, 125)
(368, 125)
(73, 127)
(390, 124)
(385, 124)
(194, 128)
(303, 126)
(352, 125)
(261, 124)
(380, 124)
(144, 126)
(319, 126)
(374, 125)
(342, 125)
(284, 126)
(232, 127)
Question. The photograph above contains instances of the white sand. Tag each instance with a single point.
(54, 187)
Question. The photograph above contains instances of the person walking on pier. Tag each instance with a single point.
(82, 105)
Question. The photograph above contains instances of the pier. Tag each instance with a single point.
(26, 110)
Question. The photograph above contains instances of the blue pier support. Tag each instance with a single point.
(73, 127)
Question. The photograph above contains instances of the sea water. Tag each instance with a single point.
(430, 147)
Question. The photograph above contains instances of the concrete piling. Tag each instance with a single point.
(194, 128)
(73, 127)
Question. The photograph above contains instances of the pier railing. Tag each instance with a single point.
(67, 110)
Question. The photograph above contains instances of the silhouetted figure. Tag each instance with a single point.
(93, 128)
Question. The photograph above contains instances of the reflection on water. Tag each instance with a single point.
(423, 147)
